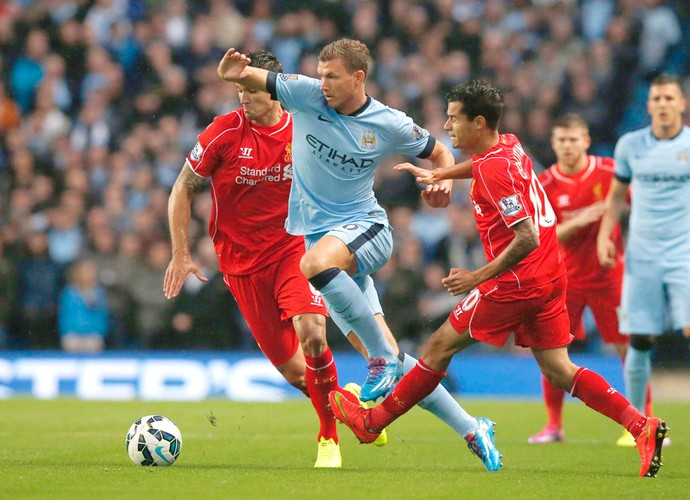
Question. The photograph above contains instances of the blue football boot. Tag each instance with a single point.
(481, 443)
(382, 376)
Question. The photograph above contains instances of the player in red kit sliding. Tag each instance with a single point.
(247, 155)
(522, 289)
(577, 185)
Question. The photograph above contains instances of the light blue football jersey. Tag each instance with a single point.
(659, 176)
(335, 156)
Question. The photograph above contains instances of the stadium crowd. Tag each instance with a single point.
(100, 101)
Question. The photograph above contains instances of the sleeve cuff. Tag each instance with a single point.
(271, 84)
(430, 145)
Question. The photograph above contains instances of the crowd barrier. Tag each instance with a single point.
(241, 376)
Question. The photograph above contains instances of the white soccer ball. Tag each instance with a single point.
(153, 440)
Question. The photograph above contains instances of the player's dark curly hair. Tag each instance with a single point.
(479, 98)
(265, 60)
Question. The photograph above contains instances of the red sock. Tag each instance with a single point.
(597, 393)
(553, 397)
(417, 384)
(321, 378)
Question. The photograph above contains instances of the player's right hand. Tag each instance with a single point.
(423, 176)
(606, 251)
(232, 65)
(591, 214)
(176, 274)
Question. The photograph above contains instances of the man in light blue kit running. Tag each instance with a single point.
(655, 162)
(340, 135)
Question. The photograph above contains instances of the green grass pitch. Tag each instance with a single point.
(75, 449)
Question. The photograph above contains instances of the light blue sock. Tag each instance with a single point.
(444, 406)
(351, 312)
(636, 373)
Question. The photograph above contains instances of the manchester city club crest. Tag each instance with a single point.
(368, 139)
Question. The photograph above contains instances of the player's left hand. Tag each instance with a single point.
(437, 195)
(459, 281)
(231, 66)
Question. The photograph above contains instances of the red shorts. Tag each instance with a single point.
(539, 321)
(269, 299)
(604, 303)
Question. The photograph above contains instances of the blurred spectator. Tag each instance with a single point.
(8, 288)
(100, 100)
(430, 226)
(38, 285)
(435, 303)
(83, 310)
(595, 16)
(146, 287)
(462, 246)
(204, 315)
(71, 47)
(92, 127)
(395, 188)
(660, 39)
(400, 297)
(65, 236)
(9, 111)
(27, 71)
(46, 123)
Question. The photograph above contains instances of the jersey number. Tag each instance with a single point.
(544, 216)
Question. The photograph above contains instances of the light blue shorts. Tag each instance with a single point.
(650, 290)
(372, 244)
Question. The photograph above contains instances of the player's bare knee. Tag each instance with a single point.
(560, 375)
(438, 351)
(312, 264)
(295, 379)
(311, 331)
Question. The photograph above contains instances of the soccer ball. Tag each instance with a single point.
(153, 440)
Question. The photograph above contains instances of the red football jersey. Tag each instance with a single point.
(251, 172)
(505, 191)
(569, 194)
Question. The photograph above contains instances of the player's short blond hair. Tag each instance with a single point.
(571, 120)
(353, 53)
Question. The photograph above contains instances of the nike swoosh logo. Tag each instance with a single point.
(324, 119)
(158, 452)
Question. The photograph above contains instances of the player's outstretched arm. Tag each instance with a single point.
(461, 170)
(179, 213)
(235, 67)
(616, 204)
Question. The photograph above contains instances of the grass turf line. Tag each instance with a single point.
(75, 449)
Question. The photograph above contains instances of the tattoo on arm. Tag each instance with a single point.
(190, 180)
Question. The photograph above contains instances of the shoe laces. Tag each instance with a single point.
(473, 445)
(473, 441)
(376, 368)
